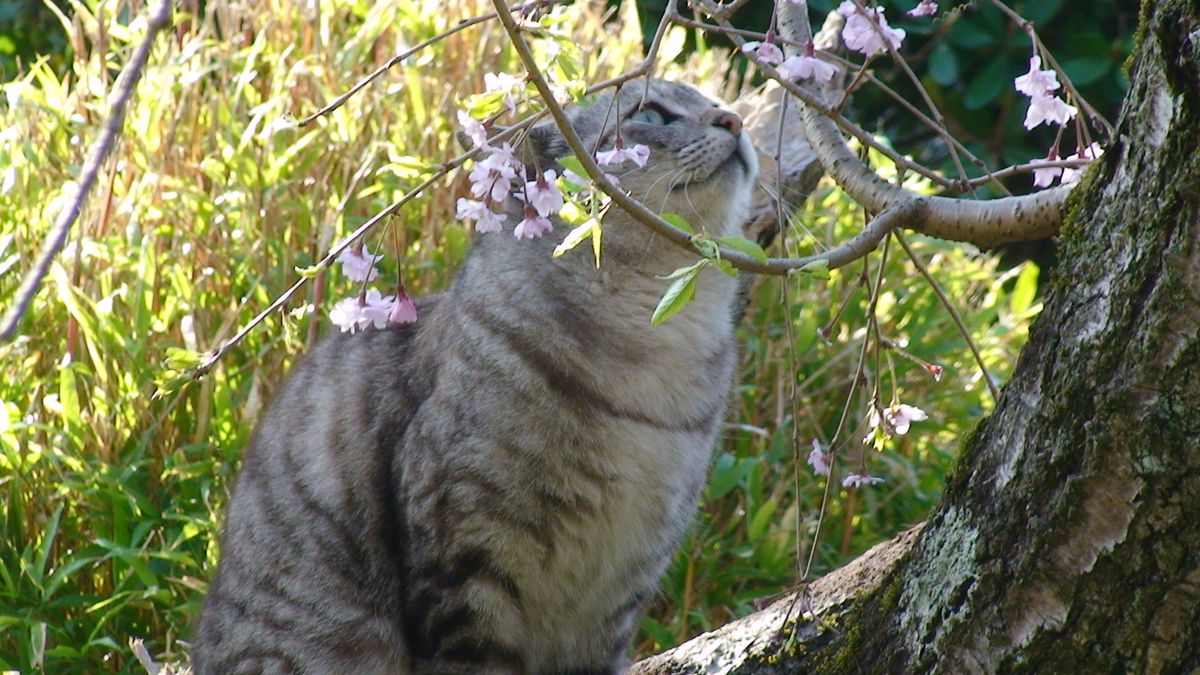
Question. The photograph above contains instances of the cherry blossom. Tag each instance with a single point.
(861, 36)
(818, 460)
(766, 52)
(504, 82)
(638, 154)
(1045, 177)
(543, 194)
(358, 264)
(493, 176)
(369, 308)
(500, 81)
(924, 8)
(485, 219)
(532, 225)
(1071, 176)
(1046, 109)
(403, 310)
(899, 416)
(490, 221)
(855, 480)
(807, 67)
(1037, 82)
(474, 130)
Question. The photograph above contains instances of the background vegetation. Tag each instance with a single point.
(111, 495)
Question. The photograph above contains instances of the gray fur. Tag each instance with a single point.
(499, 487)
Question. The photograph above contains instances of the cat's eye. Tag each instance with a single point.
(652, 114)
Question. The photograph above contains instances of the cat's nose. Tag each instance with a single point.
(724, 118)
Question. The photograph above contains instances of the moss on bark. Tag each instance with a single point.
(1068, 539)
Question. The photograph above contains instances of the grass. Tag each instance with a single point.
(112, 496)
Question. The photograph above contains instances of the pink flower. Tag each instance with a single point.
(818, 460)
(369, 308)
(765, 52)
(1071, 176)
(867, 30)
(807, 67)
(1045, 177)
(925, 8)
(493, 176)
(474, 129)
(898, 416)
(543, 194)
(638, 154)
(358, 264)
(403, 310)
(469, 209)
(572, 177)
(855, 480)
(490, 221)
(501, 81)
(485, 219)
(1036, 82)
(532, 226)
(1046, 109)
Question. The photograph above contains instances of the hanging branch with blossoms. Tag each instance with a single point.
(789, 55)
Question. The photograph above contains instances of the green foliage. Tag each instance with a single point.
(115, 465)
(761, 492)
(966, 60)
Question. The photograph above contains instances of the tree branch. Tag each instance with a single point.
(983, 223)
(57, 237)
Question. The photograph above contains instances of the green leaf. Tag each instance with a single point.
(988, 84)
(746, 246)
(678, 221)
(817, 268)
(1086, 70)
(590, 228)
(678, 295)
(1024, 291)
(686, 270)
(480, 106)
(707, 247)
(943, 65)
(182, 359)
(571, 163)
(310, 272)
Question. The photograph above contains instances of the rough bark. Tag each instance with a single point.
(1068, 538)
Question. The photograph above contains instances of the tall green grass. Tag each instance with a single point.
(112, 496)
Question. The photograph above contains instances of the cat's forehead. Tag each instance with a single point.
(681, 95)
(676, 97)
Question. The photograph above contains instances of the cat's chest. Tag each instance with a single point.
(610, 551)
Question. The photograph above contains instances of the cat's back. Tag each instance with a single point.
(311, 539)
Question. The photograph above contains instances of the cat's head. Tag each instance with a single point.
(701, 166)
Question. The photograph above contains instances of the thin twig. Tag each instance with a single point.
(838, 257)
(397, 59)
(954, 315)
(122, 92)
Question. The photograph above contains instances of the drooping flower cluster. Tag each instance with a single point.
(804, 67)
(369, 307)
(818, 459)
(500, 175)
(897, 418)
(867, 30)
(1044, 106)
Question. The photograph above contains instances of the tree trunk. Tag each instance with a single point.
(1068, 538)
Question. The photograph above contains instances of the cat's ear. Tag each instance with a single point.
(543, 146)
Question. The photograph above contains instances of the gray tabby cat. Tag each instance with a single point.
(498, 487)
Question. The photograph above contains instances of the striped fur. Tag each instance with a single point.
(499, 487)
